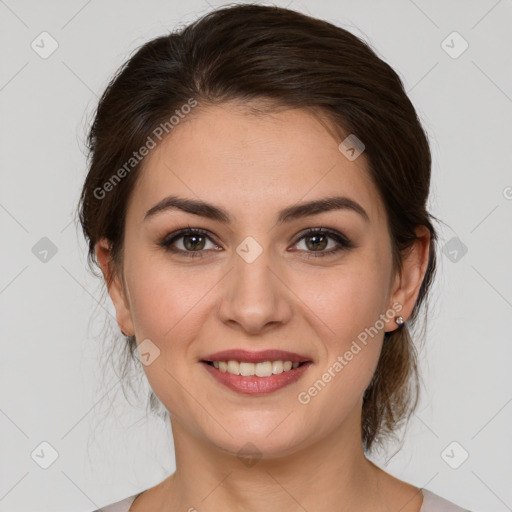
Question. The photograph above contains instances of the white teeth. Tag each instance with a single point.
(263, 369)
(233, 368)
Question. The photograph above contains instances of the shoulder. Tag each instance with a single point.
(119, 506)
(434, 503)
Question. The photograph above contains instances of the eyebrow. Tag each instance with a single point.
(208, 210)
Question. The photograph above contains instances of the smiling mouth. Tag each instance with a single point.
(261, 369)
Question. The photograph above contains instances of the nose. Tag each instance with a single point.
(255, 297)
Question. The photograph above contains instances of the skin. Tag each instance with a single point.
(310, 456)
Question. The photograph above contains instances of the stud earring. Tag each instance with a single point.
(399, 320)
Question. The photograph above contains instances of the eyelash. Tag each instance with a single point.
(343, 242)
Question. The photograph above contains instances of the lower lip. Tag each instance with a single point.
(257, 385)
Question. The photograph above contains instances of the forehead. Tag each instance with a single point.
(254, 163)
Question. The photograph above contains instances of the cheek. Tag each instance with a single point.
(168, 307)
(351, 354)
(347, 300)
(345, 308)
(165, 298)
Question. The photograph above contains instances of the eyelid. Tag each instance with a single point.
(333, 233)
(342, 241)
(169, 239)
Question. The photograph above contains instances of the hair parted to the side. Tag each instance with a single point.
(274, 57)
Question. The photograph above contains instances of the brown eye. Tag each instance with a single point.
(193, 242)
(189, 242)
(316, 241)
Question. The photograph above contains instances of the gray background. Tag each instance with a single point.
(50, 373)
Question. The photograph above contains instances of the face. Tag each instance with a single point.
(257, 282)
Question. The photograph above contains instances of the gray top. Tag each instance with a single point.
(431, 503)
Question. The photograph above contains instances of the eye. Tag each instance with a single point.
(191, 242)
(317, 240)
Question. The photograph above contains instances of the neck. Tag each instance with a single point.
(331, 474)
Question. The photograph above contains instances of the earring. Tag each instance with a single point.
(399, 320)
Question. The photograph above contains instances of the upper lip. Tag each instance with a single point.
(255, 357)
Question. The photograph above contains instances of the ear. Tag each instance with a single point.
(407, 283)
(115, 288)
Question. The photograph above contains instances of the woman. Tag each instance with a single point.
(256, 201)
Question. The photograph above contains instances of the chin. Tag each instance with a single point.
(265, 441)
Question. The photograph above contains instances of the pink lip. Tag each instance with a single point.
(256, 385)
(255, 357)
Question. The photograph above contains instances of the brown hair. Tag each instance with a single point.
(291, 60)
